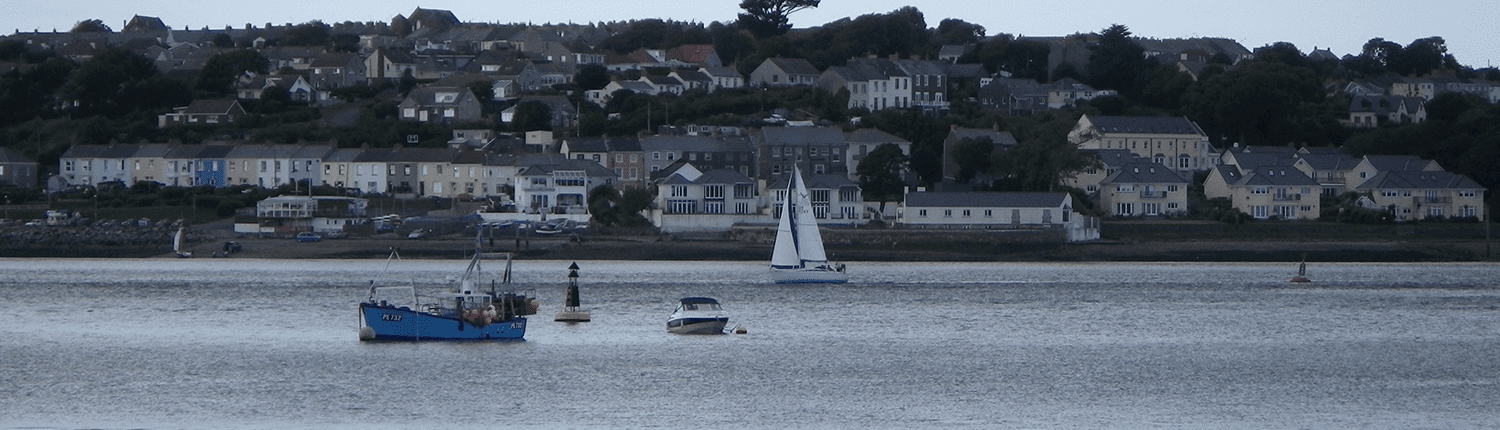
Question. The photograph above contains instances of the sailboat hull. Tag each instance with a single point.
(808, 276)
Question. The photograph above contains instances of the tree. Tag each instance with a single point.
(1118, 63)
(1040, 164)
(532, 116)
(312, 33)
(223, 40)
(90, 26)
(1261, 103)
(880, 174)
(766, 18)
(221, 70)
(592, 77)
(97, 83)
(972, 156)
(958, 32)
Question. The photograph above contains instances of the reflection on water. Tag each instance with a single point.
(271, 343)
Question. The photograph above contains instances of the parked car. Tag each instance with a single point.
(420, 233)
(308, 236)
(232, 246)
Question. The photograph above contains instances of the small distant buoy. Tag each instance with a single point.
(740, 330)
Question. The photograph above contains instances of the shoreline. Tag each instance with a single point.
(657, 248)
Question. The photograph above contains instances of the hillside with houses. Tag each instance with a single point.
(694, 129)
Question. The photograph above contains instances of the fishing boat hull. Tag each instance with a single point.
(809, 276)
(697, 325)
(398, 323)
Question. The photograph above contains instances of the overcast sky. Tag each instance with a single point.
(1468, 26)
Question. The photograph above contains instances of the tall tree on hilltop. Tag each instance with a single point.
(1118, 63)
(765, 18)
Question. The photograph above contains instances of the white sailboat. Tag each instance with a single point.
(798, 257)
(177, 243)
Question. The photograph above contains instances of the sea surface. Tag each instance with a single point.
(252, 344)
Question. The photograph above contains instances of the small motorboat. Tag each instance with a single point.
(698, 315)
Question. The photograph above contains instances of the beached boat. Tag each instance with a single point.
(461, 312)
(177, 242)
(698, 315)
(798, 256)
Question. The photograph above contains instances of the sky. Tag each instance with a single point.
(1342, 26)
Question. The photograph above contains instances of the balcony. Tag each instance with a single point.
(1153, 194)
(1287, 197)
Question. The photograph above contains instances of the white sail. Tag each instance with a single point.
(784, 254)
(177, 243)
(805, 224)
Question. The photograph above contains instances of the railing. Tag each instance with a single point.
(1288, 198)
(1153, 194)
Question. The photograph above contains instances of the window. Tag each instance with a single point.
(679, 191)
(1259, 212)
(655, 155)
(1127, 188)
(1260, 190)
(1124, 208)
(922, 213)
(966, 213)
(989, 213)
(948, 213)
(713, 192)
(1468, 194)
(1171, 188)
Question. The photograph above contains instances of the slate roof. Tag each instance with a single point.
(1113, 158)
(8, 155)
(723, 176)
(1144, 124)
(794, 66)
(1419, 180)
(801, 136)
(1144, 172)
(1386, 163)
(985, 200)
(1001, 139)
(1278, 175)
(1329, 161)
(873, 135)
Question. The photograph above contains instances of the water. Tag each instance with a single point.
(272, 344)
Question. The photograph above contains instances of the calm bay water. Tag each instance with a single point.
(236, 343)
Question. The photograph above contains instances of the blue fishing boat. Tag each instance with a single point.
(462, 312)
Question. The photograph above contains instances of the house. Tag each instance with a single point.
(835, 198)
(723, 77)
(713, 201)
(865, 140)
(1371, 111)
(706, 152)
(784, 72)
(623, 155)
(331, 70)
(816, 150)
(250, 86)
(929, 85)
(1143, 188)
(1175, 142)
(1066, 92)
(1329, 169)
(440, 105)
(1110, 161)
(203, 112)
(1002, 140)
(88, 165)
(664, 85)
(1014, 96)
(1420, 194)
(17, 170)
(1268, 191)
(547, 183)
(288, 215)
(564, 115)
(694, 55)
(389, 64)
(1372, 165)
(997, 211)
(693, 80)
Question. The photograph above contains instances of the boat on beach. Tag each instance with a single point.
(461, 312)
(177, 243)
(798, 257)
(697, 315)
